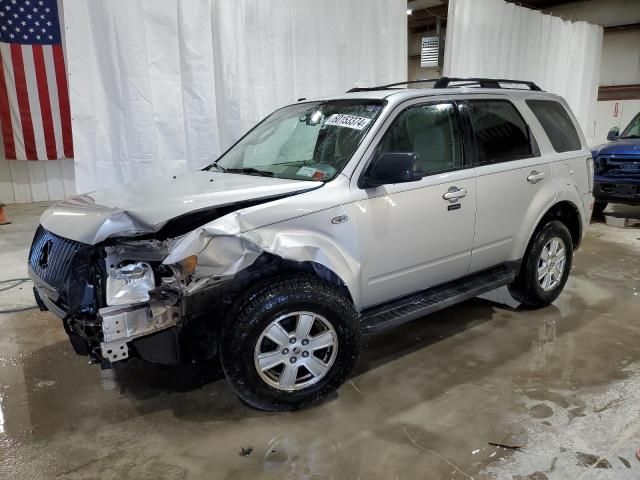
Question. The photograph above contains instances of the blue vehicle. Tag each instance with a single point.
(617, 167)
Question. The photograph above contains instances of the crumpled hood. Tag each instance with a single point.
(133, 208)
(628, 146)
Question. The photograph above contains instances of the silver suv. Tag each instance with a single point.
(330, 220)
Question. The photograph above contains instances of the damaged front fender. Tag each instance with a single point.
(227, 246)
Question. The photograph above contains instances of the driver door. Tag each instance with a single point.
(419, 234)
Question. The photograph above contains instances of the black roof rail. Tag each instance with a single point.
(444, 82)
(483, 82)
(391, 85)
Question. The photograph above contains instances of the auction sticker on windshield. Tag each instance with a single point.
(349, 121)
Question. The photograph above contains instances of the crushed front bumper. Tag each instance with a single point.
(124, 324)
(148, 329)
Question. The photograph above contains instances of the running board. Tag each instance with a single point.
(411, 307)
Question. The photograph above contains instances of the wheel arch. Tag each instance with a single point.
(566, 212)
(269, 266)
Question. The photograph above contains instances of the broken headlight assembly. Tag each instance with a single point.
(130, 283)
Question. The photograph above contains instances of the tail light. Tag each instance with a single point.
(590, 173)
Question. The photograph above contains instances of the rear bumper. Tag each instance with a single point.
(616, 190)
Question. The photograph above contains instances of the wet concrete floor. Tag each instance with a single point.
(427, 402)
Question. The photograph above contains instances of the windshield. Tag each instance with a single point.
(306, 141)
(633, 129)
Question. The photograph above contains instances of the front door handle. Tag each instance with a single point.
(535, 176)
(454, 193)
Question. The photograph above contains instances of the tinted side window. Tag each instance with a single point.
(633, 129)
(557, 124)
(431, 132)
(500, 132)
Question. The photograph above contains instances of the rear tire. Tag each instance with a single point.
(289, 342)
(598, 208)
(545, 267)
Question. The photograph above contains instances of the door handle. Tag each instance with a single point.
(454, 193)
(535, 176)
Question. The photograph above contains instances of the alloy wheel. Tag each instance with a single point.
(551, 264)
(296, 350)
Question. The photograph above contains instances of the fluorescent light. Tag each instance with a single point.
(409, 11)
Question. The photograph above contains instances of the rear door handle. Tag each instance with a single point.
(454, 193)
(535, 177)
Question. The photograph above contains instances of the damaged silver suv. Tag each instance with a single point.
(330, 220)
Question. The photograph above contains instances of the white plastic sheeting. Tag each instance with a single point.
(492, 38)
(162, 86)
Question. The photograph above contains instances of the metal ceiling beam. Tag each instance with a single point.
(540, 4)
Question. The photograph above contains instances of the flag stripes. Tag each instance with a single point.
(33, 80)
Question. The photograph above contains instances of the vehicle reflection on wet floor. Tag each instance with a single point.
(624, 216)
(426, 401)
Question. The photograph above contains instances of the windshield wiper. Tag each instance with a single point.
(250, 171)
(222, 169)
(631, 136)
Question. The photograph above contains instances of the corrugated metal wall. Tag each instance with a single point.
(23, 181)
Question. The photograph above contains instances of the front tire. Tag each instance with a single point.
(545, 267)
(290, 342)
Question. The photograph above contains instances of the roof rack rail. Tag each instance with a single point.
(445, 82)
(391, 85)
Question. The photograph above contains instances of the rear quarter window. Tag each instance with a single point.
(501, 133)
(557, 124)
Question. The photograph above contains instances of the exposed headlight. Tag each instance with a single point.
(130, 284)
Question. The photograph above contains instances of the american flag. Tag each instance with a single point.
(34, 97)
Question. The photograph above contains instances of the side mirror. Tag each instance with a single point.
(391, 168)
(613, 134)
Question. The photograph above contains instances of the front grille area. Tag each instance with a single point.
(51, 257)
(618, 166)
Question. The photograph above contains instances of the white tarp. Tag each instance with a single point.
(162, 86)
(492, 38)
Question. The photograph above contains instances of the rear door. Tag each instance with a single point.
(514, 181)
